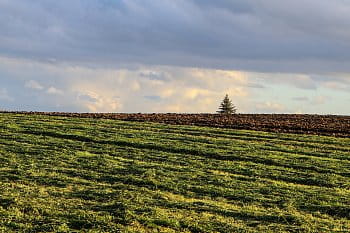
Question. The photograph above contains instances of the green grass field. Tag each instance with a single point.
(85, 175)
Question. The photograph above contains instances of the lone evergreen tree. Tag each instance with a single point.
(226, 106)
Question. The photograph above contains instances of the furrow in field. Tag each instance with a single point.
(192, 151)
(264, 147)
(317, 151)
(120, 125)
(296, 161)
(296, 176)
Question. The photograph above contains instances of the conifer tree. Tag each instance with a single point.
(226, 106)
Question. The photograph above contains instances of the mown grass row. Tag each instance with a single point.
(68, 174)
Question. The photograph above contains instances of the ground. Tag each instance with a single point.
(64, 174)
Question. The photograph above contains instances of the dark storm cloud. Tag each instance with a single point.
(269, 35)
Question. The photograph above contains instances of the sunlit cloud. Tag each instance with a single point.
(62, 87)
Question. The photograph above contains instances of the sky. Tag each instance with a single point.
(270, 56)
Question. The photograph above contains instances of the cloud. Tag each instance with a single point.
(80, 88)
(270, 107)
(153, 97)
(193, 93)
(94, 89)
(255, 85)
(54, 91)
(32, 84)
(266, 36)
(95, 102)
(87, 98)
(315, 100)
(318, 100)
(4, 95)
(301, 81)
(154, 75)
(301, 98)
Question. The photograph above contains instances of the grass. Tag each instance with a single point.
(62, 174)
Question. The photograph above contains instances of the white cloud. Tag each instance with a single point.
(318, 100)
(135, 85)
(4, 95)
(98, 102)
(301, 81)
(54, 91)
(94, 102)
(270, 107)
(301, 98)
(32, 84)
(193, 93)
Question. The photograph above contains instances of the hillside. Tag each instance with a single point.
(64, 174)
